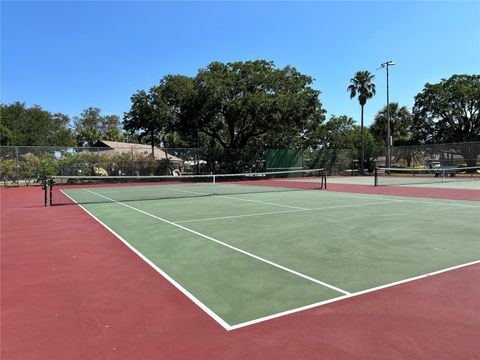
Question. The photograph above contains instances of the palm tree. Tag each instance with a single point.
(400, 128)
(400, 124)
(362, 85)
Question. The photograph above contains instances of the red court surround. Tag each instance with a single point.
(71, 290)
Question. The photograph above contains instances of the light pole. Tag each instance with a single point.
(389, 135)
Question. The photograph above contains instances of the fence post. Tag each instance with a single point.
(17, 165)
(131, 162)
(45, 189)
(50, 188)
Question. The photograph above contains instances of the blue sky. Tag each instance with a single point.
(66, 56)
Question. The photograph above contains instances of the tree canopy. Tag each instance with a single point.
(362, 87)
(341, 133)
(237, 103)
(33, 126)
(234, 106)
(400, 125)
(338, 132)
(449, 112)
(148, 116)
(232, 111)
(90, 126)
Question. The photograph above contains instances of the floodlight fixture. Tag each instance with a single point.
(386, 64)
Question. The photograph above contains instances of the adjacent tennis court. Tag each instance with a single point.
(467, 178)
(255, 252)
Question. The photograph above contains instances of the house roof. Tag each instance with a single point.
(122, 147)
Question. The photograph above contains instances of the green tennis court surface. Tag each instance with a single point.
(249, 256)
(467, 185)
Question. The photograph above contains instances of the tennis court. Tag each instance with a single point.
(256, 252)
(456, 178)
(472, 184)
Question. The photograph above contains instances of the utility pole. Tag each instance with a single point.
(389, 135)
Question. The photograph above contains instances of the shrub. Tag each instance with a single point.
(28, 167)
(47, 167)
(8, 171)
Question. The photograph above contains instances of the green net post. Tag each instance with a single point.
(45, 190)
(50, 186)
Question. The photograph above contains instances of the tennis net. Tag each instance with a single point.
(98, 189)
(404, 176)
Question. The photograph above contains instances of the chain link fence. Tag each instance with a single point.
(25, 165)
(346, 161)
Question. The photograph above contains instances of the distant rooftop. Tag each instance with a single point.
(123, 147)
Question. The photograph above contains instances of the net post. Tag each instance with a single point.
(375, 181)
(213, 184)
(45, 191)
(324, 176)
(50, 183)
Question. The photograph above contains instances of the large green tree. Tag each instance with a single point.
(240, 105)
(449, 111)
(235, 107)
(240, 101)
(33, 126)
(362, 87)
(179, 129)
(91, 126)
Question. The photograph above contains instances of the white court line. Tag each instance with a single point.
(443, 203)
(263, 202)
(188, 294)
(240, 216)
(190, 192)
(287, 211)
(404, 198)
(226, 245)
(359, 293)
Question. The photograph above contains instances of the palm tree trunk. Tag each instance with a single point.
(362, 159)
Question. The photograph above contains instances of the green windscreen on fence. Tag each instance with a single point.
(284, 159)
